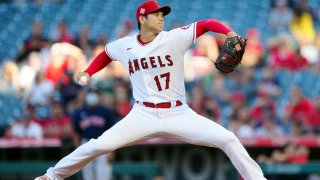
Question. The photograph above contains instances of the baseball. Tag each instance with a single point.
(83, 79)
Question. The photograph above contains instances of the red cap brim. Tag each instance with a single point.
(164, 9)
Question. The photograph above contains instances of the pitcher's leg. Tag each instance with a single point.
(240, 158)
(193, 128)
(132, 128)
(72, 163)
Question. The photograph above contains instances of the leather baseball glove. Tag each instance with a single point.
(230, 56)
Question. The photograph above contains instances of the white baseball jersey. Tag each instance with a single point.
(150, 66)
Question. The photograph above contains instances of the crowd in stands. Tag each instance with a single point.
(245, 101)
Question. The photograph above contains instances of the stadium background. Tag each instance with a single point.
(258, 102)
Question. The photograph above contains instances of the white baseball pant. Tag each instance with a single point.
(143, 123)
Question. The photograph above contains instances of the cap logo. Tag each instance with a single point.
(142, 10)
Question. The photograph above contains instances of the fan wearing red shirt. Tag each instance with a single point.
(299, 107)
(58, 125)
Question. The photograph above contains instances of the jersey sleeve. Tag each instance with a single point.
(183, 37)
(114, 50)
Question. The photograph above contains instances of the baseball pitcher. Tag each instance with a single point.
(154, 61)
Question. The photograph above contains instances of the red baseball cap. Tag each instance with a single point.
(150, 6)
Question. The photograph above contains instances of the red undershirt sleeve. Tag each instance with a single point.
(98, 63)
(211, 25)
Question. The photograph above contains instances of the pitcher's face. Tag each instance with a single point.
(154, 22)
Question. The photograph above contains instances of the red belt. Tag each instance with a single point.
(161, 105)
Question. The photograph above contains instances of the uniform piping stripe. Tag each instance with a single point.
(106, 50)
(194, 33)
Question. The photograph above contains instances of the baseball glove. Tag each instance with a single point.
(230, 57)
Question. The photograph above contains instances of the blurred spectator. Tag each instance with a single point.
(76, 59)
(104, 80)
(298, 111)
(206, 46)
(314, 120)
(41, 91)
(198, 61)
(29, 70)
(298, 129)
(291, 153)
(9, 83)
(90, 121)
(300, 62)
(282, 56)
(57, 65)
(221, 93)
(62, 33)
(310, 53)
(67, 88)
(305, 6)
(242, 126)
(243, 81)
(204, 104)
(84, 42)
(280, 53)
(123, 104)
(302, 26)
(268, 84)
(269, 127)
(77, 103)
(299, 108)
(58, 125)
(197, 98)
(101, 41)
(118, 70)
(254, 49)
(304, 31)
(300, 155)
(238, 101)
(280, 17)
(107, 100)
(211, 109)
(25, 127)
(35, 42)
(97, 50)
(64, 56)
(263, 106)
(126, 29)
